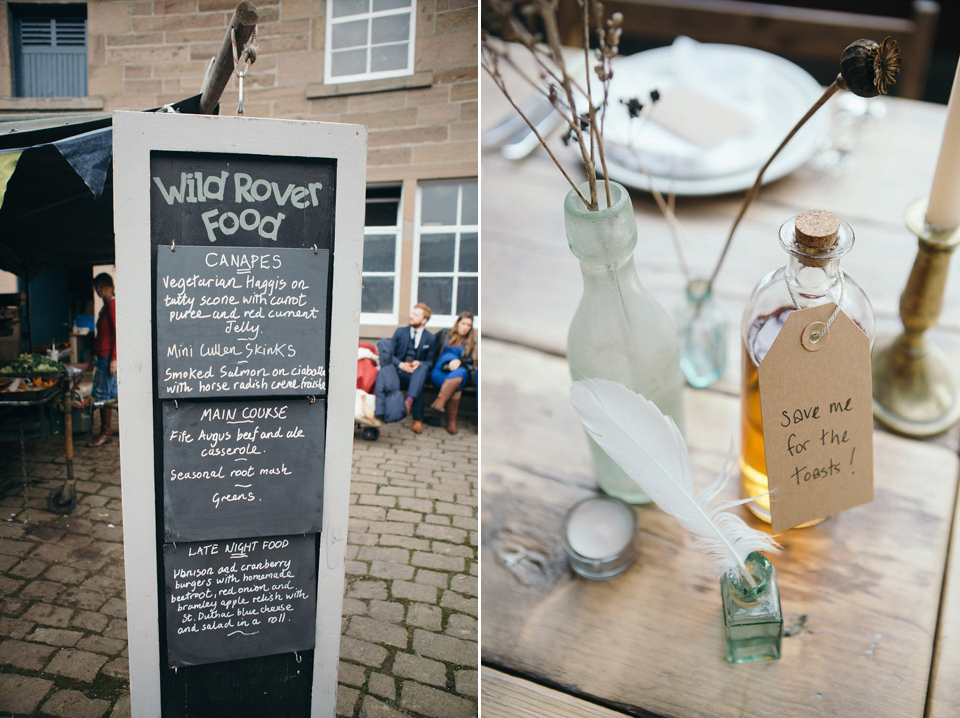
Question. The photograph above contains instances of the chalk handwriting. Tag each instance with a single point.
(229, 599)
(241, 321)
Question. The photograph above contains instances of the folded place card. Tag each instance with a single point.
(697, 118)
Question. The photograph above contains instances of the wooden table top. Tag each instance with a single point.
(871, 597)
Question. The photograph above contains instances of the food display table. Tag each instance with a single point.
(64, 407)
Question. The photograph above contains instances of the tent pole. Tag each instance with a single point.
(29, 320)
(244, 23)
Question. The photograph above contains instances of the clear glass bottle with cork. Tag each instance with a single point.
(815, 241)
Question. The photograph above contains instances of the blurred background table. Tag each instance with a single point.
(871, 597)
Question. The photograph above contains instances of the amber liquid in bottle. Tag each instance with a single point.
(753, 462)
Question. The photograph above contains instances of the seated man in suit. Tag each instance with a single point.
(412, 347)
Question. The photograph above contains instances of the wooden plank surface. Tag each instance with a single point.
(506, 696)
(860, 592)
(944, 698)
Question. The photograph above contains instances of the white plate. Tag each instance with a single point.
(770, 91)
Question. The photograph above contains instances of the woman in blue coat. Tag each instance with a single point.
(453, 366)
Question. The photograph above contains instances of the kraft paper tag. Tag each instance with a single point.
(696, 118)
(817, 406)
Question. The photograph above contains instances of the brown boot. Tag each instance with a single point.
(446, 391)
(452, 407)
(417, 426)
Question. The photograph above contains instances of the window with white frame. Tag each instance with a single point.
(381, 255)
(447, 247)
(369, 39)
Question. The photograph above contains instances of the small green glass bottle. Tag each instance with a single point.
(752, 618)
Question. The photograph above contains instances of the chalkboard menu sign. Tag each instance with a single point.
(250, 468)
(241, 321)
(240, 598)
(240, 256)
(209, 199)
(243, 248)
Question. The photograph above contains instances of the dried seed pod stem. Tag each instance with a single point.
(550, 92)
(867, 68)
(752, 194)
(608, 42)
(666, 207)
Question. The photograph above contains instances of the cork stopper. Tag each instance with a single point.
(816, 238)
(817, 229)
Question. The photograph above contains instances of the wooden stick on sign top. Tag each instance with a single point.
(243, 23)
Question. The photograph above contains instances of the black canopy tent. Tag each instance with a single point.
(56, 210)
(56, 190)
(49, 215)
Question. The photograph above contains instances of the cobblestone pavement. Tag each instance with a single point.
(409, 644)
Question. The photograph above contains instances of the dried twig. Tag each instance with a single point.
(497, 78)
(555, 80)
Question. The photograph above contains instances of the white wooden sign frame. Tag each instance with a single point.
(135, 135)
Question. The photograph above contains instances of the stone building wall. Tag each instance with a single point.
(144, 54)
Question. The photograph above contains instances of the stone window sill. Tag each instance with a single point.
(409, 82)
(50, 104)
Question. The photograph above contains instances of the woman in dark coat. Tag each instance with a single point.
(453, 366)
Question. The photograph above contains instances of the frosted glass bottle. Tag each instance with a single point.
(619, 331)
(813, 275)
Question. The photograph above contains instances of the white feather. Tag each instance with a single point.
(650, 449)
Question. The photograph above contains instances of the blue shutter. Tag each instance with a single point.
(50, 55)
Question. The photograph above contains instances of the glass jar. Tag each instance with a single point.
(619, 331)
(752, 619)
(703, 346)
(811, 277)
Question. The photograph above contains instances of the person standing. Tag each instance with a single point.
(104, 357)
(412, 351)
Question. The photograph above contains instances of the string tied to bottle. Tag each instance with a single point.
(817, 334)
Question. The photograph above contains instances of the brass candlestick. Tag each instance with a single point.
(915, 389)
